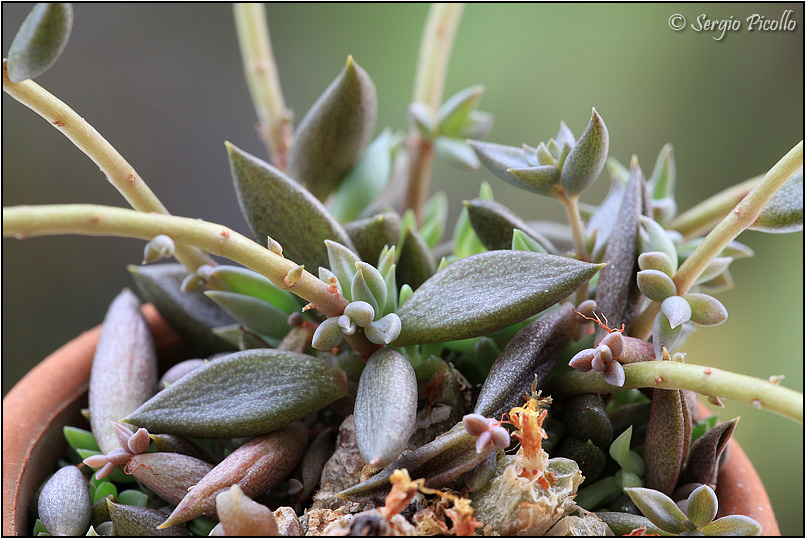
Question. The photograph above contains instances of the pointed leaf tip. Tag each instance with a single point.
(587, 158)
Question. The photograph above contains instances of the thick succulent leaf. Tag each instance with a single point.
(276, 206)
(630, 461)
(499, 158)
(664, 335)
(715, 268)
(532, 351)
(240, 515)
(247, 282)
(734, 249)
(416, 263)
(456, 152)
(521, 241)
(255, 467)
(706, 310)
(733, 525)
(435, 214)
(254, 313)
(656, 260)
(465, 241)
(656, 239)
(129, 520)
(371, 235)
(494, 224)
(701, 506)
(784, 213)
(677, 310)
(587, 158)
(40, 40)
(439, 462)
(655, 284)
(168, 475)
(661, 183)
(666, 444)
(367, 179)
(624, 523)
(64, 503)
(369, 285)
(658, 508)
(385, 407)
(606, 215)
(564, 135)
(478, 125)
(454, 112)
(703, 461)
(488, 292)
(385, 330)
(342, 262)
(541, 177)
(124, 368)
(191, 313)
(282, 387)
(423, 117)
(331, 137)
(620, 255)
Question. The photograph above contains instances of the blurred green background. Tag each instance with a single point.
(163, 83)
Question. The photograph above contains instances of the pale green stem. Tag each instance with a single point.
(117, 170)
(708, 381)
(710, 211)
(429, 85)
(743, 215)
(94, 220)
(571, 206)
(260, 69)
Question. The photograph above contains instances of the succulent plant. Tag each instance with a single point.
(349, 310)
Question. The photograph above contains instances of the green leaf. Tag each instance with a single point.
(275, 205)
(701, 506)
(487, 292)
(658, 240)
(279, 385)
(542, 177)
(40, 40)
(664, 335)
(733, 525)
(658, 508)
(192, 314)
(103, 490)
(141, 521)
(254, 313)
(366, 180)
(332, 135)
(415, 263)
(80, 438)
(494, 224)
(247, 282)
(478, 125)
(499, 159)
(133, 497)
(677, 310)
(655, 284)
(532, 351)
(369, 285)
(624, 523)
(454, 113)
(422, 116)
(342, 262)
(784, 213)
(371, 235)
(629, 461)
(587, 158)
(64, 503)
(664, 175)
(435, 214)
(124, 369)
(656, 260)
(465, 241)
(706, 310)
(456, 152)
(715, 268)
(521, 241)
(385, 407)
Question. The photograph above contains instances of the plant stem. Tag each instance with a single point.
(743, 215)
(429, 85)
(709, 381)
(260, 69)
(119, 172)
(707, 213)
(95, 220)
(571, 207)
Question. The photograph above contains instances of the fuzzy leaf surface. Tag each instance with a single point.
(210, 402)
(416, 263)
(499, 158)
(784, 213)
(385, 406)
(332, 135)
(703, 461)
(40, 40)
(254, 313)
(494, 224)
(667, 441)
(64, 504)
(274, 205)
(488, 292)
(250, 283)
(658, 508)
(587, 158)
(371, 235)
(129, 520)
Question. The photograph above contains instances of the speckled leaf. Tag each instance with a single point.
(587, 158)
(124, 368)
(542, 177)
(416, 263)
(168, 475)
(371, 235)
(784, 213)
(254, 313)
(655, 284)
(332, 135)
(439, 462)
(605, 217)
(706, 310)
(385, 406)
(242, 516)
(40, 40)
(658, 508)
(281, 387)
(64, 503)
(499, 158)
(190, 313)
(733, 525)
(703, 461)
(276, 206)
(129, 520)
(367, 179)
(624, 523)
(620, 255)
(532, 351)
(486, 292)
(494, 223)
(255, 467)
(667, 440)
(250, 283)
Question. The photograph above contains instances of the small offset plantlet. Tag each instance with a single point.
(512, 378)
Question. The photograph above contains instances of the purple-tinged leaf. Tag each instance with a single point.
(242, 516)
(64, 504)
(706, 310)
(169, 475)
(677, 310)
(706, 452)
(130, 520)
(667, 439)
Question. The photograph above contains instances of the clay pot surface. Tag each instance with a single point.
(52, 394)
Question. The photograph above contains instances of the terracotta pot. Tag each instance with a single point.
(52, 394)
